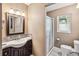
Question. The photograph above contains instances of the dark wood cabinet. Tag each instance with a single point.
(6, 51)
(25, 50)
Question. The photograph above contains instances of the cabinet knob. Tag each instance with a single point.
(6, 53)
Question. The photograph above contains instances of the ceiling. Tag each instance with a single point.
(56, 6)
(46, 4)
(49, 4)
(53, 6)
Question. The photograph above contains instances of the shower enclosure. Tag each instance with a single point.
(49, 28)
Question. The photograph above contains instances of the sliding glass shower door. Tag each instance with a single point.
(49, 34)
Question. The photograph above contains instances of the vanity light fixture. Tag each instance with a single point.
(27, 4)
(16, 11)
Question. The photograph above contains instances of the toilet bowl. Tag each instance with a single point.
(76, 45)
(65, 49)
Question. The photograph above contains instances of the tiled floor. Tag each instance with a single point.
(55, 52)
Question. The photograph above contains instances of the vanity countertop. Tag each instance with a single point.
(15, 43)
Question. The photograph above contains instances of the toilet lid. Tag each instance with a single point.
(66, 46)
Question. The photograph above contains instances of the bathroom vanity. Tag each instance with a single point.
(20, 47)
(16, 43)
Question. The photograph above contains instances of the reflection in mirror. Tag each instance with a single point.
(15, 24)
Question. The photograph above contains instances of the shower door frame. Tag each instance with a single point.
(47, 53)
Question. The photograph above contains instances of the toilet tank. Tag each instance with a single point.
(76, 45)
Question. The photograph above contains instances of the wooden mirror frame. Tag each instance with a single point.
(8, 23)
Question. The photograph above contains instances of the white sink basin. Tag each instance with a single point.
(16, 43)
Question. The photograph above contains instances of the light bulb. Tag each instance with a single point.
(18, 13)
(23, 14)
(11, 11)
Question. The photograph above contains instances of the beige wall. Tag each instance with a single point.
(67, 38)
(36, 26)
(0, 29)
(6, 7)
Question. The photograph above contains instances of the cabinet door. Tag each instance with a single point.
(18, 51)
(6, 52)
(14, 52)
(28, 48)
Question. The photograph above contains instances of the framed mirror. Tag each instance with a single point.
(15, 24)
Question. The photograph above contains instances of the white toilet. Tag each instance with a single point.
(65, 49)
(76, 46)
